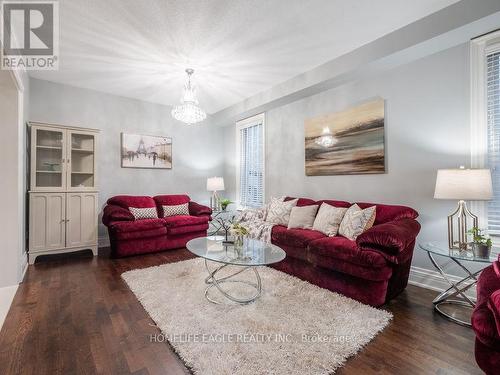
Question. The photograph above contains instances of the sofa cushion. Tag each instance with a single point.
(344, 249)
(137, 226)
(279, 211)
(127, 201)
(139, 234)
(341, 254)
(386, 212)
(144, 213)
(302, 217)
(175, 210)
(328, 219)
(171, 200)
(280, 235)
(356, 221)
(184, 220)
(174, 231)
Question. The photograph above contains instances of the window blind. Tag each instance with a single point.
(252, 166)
(493, 121)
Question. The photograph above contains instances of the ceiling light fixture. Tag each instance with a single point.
(326, 139)
(188, 111)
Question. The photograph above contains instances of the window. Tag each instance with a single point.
(485, 122)
(250, 166)
(493, 124)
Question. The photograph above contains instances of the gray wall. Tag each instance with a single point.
(426, 128)
(197, 149)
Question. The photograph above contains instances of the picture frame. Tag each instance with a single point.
(145, 151)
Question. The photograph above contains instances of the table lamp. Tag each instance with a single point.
(215, 184)
(463, 185)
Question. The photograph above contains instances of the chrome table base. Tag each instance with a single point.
(213, 281)
(448, 297)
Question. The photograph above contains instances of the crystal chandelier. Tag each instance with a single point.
(188, 111)
(326, 139)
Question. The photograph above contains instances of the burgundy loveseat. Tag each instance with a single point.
(129, 236)
(373, 269)
(486, 320)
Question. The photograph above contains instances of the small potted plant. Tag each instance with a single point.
(224, 203)
(238, 231)
(481, 245)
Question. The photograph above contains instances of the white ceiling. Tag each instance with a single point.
(140, 48)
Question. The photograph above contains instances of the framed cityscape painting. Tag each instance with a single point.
(346, 142)
(146, 151)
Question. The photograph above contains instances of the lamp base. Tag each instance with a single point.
(457, 226)
(215, 202)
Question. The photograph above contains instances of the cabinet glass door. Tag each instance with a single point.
(49, 168)
(82, 161)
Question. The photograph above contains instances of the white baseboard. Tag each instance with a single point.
(6, 296)
(24, 267)
(103, 241)
(433, 280)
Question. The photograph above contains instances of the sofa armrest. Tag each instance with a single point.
(390, 238)
(112, 213)
(196, 209)
(494, 307)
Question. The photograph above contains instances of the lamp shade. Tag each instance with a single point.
(215, 184)
(463, 184)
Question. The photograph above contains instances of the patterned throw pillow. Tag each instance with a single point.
(302, 217)
(356, 221)
(328, 219)
(279, 211)
(144, 213)
(179, 209)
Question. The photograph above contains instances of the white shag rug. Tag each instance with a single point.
(293, 328)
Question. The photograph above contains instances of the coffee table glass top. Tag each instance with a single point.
(253, 252)
(441, 248)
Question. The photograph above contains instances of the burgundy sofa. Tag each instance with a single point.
(373, 269)
(130, 237)
(486, 320)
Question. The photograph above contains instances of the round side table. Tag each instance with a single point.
(456, 293)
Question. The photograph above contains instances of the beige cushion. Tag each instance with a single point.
(356, 221)
(328, 219)
(279, 211)
(302, 217)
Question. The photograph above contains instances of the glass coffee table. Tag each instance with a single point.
(455, 294)
(254, 253)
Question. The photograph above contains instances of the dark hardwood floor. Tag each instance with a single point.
(74, 315)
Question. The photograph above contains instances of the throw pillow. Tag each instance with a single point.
(328, 219)
(175, 210)
(356, 221)
(279, 211)
(302, 217)
(144, 213)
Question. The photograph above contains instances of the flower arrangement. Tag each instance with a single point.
(239, 230)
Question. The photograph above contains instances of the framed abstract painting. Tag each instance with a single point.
(347, 142)
(146, 151)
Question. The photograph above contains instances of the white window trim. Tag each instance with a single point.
(242, 124)
(480, 47)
